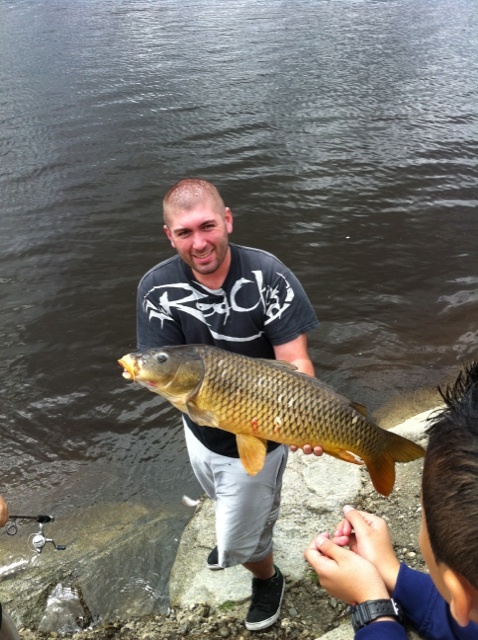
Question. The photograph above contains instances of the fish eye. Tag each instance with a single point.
(161, 358)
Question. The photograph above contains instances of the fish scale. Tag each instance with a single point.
(312, 418)
(260, 400)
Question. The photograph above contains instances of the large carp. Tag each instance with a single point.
(262, 400)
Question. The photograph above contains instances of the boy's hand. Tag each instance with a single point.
(367, 536)
(343, 573)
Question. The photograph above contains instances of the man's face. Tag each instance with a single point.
(200, 236)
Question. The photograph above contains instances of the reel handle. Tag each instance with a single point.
(38, 540)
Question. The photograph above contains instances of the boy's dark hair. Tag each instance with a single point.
(450, 477)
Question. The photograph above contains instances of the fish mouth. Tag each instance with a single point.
(128, 368)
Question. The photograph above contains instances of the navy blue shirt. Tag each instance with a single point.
(424, 608)
(261, 304)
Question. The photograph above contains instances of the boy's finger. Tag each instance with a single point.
(356, 519)
(313, 543)
(327, 547)
(344, 528)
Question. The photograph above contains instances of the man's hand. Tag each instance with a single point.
(343, 573)
(317, 451)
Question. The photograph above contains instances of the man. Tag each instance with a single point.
(444, 604)
(246, 301)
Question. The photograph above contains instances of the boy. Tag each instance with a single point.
(444, 604)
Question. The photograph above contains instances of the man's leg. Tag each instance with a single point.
(247, 508)
(262, 569)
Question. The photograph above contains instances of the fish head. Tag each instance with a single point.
(173, 372)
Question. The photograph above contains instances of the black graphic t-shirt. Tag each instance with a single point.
(260, 305)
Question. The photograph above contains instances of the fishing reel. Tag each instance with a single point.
(37, 540)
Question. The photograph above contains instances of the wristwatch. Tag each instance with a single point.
(366, 612)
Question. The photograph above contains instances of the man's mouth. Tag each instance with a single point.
(203, 256)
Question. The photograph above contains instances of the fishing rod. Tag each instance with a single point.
(38, 540)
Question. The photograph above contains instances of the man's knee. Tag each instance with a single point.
(230, 554)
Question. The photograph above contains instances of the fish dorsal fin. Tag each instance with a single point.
(280, 364)
(359, 407)
(202, 418)
(252, 452)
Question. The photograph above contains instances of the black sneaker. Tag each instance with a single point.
(213, 561)
(266, 602)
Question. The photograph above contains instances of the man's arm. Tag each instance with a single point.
(296, 353)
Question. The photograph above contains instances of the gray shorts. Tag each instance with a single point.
(247, 507)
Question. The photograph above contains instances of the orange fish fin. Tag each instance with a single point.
(252, 452)
(382, 468)
(343, 454)
(359, 407)
(203, 418)
(382, 473)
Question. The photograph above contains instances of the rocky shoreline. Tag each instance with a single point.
(213, 605)
(308, 612)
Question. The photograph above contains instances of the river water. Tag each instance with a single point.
(343, 134)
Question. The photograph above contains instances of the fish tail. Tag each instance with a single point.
(382, 467)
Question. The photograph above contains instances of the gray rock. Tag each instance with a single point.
(314, 492)
(64, 611)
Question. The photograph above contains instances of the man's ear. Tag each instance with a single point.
(168, 233)
(228, 219)
(463, 597)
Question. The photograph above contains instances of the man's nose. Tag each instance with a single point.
(199, 241)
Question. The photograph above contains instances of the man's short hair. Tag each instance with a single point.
(450, 477)
(189, 192)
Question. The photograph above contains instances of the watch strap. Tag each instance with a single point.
(370, 610)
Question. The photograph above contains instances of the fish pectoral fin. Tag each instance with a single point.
(252, 452)
(343, 454)
(179, 404)
(202, 418)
